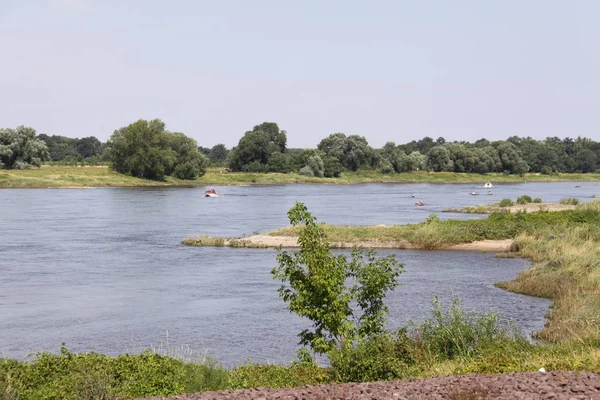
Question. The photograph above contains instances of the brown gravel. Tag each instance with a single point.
(529, 385)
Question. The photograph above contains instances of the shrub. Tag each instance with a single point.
(432, 218)
(315, 280)
(537, 200)
(306, 171)
(459, 333)
(573, 201)
(524, 199)
(380, 357)
(506, 203)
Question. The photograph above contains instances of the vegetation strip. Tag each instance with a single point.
(100, 176)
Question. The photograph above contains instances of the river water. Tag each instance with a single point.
(103, 269)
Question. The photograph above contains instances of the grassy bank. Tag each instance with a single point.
(451, 342)
(68, 176)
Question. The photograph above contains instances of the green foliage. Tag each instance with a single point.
(218, 154)
(439, 159)
(459, 333)
(506, 203)
(306, 171)
(376, 358)
(146, 150)
(257, 147)
(525, 199)
(352, 151)
(315, 286)
(21, 149)
(432, 218)
(569, 201)
(276, 376)
(537, 200)
(332, 167)
(96, 376)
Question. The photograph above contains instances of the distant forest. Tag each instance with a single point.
(264, 149)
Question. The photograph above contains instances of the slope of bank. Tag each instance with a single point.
(68, 177)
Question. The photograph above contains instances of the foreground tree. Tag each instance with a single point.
(342, 298)
(146, 150)
(21, 149)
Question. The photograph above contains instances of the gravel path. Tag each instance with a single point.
(529, 385)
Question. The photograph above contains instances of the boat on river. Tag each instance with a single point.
(211, 193)
(488, 185)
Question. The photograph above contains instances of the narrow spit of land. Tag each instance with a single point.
(101, 176)
(529, 207)
(273, 241)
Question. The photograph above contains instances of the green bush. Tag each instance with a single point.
(573, 201)
(506, 203)
(380, 357)
(524, 199)
(537, 200)
(96, 376)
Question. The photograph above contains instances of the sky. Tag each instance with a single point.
(389, 70)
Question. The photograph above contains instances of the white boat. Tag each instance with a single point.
(211, 193)
(488, 185)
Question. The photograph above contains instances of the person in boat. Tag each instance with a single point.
(211, 190)
(489, 192)
(421, 203)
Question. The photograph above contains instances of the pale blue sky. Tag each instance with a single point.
(388, 70)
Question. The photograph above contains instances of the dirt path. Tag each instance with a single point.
(529, 385)
(292, 242)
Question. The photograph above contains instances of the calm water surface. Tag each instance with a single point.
(103, 269)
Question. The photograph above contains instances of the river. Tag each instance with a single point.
(103, 269)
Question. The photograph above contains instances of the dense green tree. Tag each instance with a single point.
(62, 148)
(142, 149)
(512, 161)
(218, 153)
(439, 159)
(353, 151)
(332, 167)
(145, 149)
(190, 163)
(21, 149)
(88, 147)
(279, 162)
(256, 147)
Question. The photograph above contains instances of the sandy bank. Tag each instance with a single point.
(268, 241)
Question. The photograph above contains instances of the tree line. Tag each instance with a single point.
(147, 150)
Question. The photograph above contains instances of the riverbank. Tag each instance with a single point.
(101, 176)
(565, 252)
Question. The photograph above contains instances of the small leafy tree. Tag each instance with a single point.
(342, 298)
